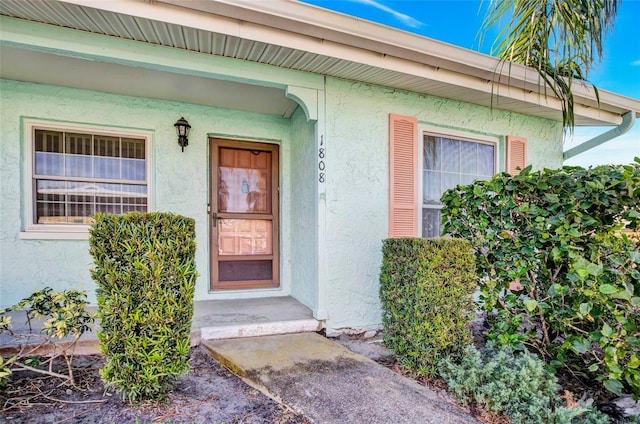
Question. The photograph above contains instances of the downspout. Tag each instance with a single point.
(628, 120)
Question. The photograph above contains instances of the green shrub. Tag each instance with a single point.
(592, 416)
(555, 268)
(426, 288)
(145, 270)
(512, 383)
(63, 314)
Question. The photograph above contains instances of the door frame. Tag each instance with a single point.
(214, 283)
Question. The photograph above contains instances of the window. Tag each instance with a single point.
(422, 168)
(77, 172)
(446, 163)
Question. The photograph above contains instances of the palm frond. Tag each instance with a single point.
(560, 39)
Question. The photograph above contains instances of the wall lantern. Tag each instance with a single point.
(182, 128)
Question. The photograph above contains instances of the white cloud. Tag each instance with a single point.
(405, 19)
(635, 63)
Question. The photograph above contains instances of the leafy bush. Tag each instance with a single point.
(426, 288)
(145, 270)
(64, 314)
(514, 384)
(563, 279)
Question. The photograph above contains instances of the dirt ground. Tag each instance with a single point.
(207, 394)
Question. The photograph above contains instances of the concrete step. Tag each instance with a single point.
(234, 331)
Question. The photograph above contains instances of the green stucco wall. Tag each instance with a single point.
(302, 224)
(331, 233)
(179, 182)
(357, 180)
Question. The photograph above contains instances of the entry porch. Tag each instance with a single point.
(212, 319)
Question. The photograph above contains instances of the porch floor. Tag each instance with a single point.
(212, 319)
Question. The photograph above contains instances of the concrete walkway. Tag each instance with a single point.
(330, 384)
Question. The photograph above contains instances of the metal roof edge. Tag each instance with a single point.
(312, 22)
(341, 28)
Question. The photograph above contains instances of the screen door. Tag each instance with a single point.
(244, 215)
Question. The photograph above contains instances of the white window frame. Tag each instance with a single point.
(33, 230)
(424, 130)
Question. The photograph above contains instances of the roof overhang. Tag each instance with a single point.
(297, 36)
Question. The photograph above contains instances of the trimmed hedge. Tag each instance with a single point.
(145, 270)
(426, 291)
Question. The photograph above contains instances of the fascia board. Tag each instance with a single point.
(585, 93)
(297, 25)
(325, 25)
(304, 27)
(349, 30)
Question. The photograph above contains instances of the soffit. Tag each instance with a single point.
(23, 65)
(199, 40)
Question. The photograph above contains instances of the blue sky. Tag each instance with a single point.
(458, 22)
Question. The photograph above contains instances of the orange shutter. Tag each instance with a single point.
(516, 154)
(403, 178)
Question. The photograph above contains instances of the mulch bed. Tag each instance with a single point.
(207, 394)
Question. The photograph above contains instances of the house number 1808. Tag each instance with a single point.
(321, 174)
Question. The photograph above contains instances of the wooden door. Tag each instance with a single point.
(244, 215)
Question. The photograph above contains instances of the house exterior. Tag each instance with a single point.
(314, 136)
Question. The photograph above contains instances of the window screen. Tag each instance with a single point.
(76, 175)
(446, 163)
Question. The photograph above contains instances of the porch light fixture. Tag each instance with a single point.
(182, 128)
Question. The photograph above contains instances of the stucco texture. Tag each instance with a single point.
(179, 182)
(331, 231)
(302, 224)
(358, 180)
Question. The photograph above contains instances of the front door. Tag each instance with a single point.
(244, 214)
